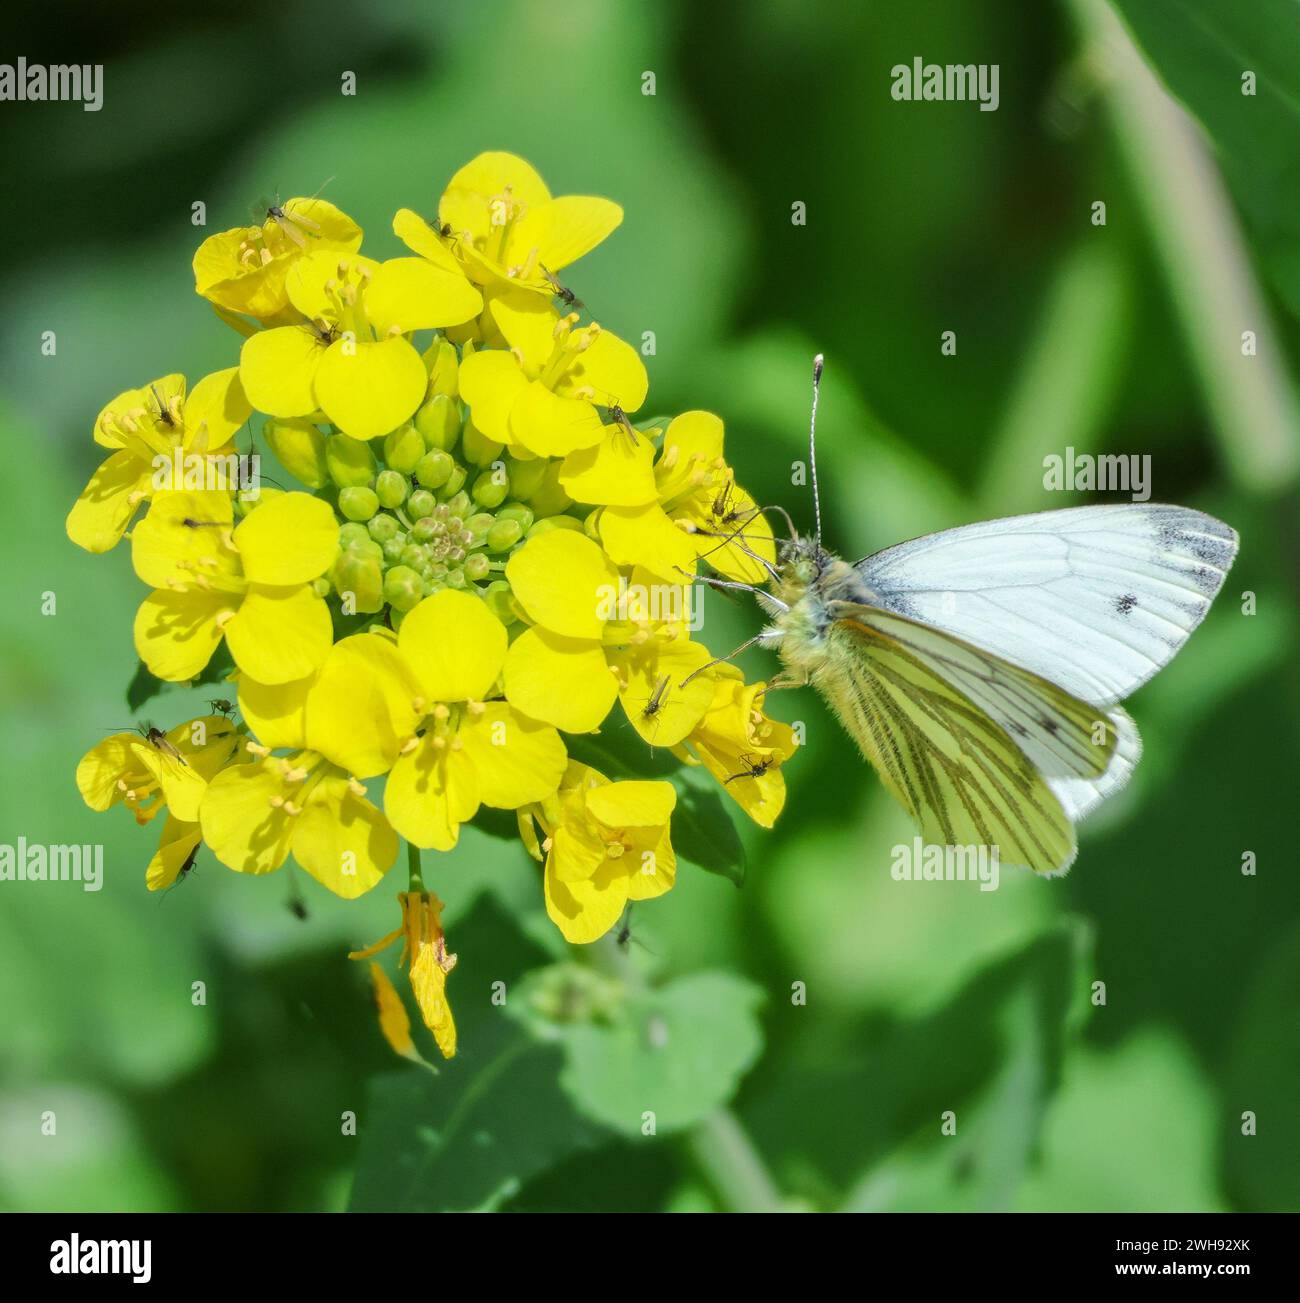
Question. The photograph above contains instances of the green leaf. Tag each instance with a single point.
(678, 1052)
(703, 831)
(1201, 49)
(143, 687)
(494, 1116)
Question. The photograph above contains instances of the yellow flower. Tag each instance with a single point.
(254, 815)
(151, 774)
(742, 747)
(350, 355)
(698, 505)
(418, 709)
(505, 228)
(607, 843)
(540, 395)
(155, 421)
(250, 584)
(597, 636)
(243, 270)
(424, 947)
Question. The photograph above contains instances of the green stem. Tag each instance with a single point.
(1198, 238)
(416, 882)
(727, 1160)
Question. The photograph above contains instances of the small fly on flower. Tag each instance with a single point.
(623, 937)
(290, 224)
(160, 741)
(164, 412)
(563, 292)
(183, 872)
(220, 706)
(657, 700)
(753, 768)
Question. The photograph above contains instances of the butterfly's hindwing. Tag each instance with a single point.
(979, 751)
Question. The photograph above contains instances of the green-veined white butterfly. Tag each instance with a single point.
(980, 669)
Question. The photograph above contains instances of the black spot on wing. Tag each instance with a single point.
(1125, 603)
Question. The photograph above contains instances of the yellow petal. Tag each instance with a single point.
(342, 840)
(278, 370)
(215, 409)
(517, 760)
(491, 382)
(430, 792)
(617, 471)
(288, 539)
(421, 238)
(276, 712)
(102, 766)
(185, 535)
(612, 369)
(179, 839)
(632, 804)
(653, 682)
(245, 831)
(369, 389)
(644, 536)
(394, 1022)
(551, 426)
(528, 323)
(563, 229)
(455, 645)
(585, 910)
(467, 203)
(429, 983)
(564, 582)
(280, 634)
(361, 706)
(409, 294)
(560, 681)
(656, 869)
(176, 633)
(101, 514)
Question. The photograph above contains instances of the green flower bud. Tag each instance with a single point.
(457, 505)
(503, 535)
(456, 579)
(359, 582)
(420, 503)
(438, 422)
(425, 528)
(549, 499)
(477, 566)
(501, 601)
(392, 487)
(403, 448)
(393, 550)
(491, 488)
(517, 511)
(403, 588)
(374, 551)
(477, 527)
(358, 502)
(526, 476)
(300, 448)
(478, 449)
(454, 485)
(444, 368)
(548, 523)
(352, 535)
(434, 469)
(321, 585)
(414, 556)
(383, 527)
(350, 461)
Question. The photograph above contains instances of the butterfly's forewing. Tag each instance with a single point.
(1095, 599)
(978, 751)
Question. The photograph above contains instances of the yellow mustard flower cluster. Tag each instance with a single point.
(486, 554)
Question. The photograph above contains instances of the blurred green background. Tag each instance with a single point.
(921, 218)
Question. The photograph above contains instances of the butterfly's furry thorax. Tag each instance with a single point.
(810, 581)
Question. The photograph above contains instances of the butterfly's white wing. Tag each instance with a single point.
(977, 750)
(1094, 599)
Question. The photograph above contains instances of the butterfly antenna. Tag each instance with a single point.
(818, 363)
